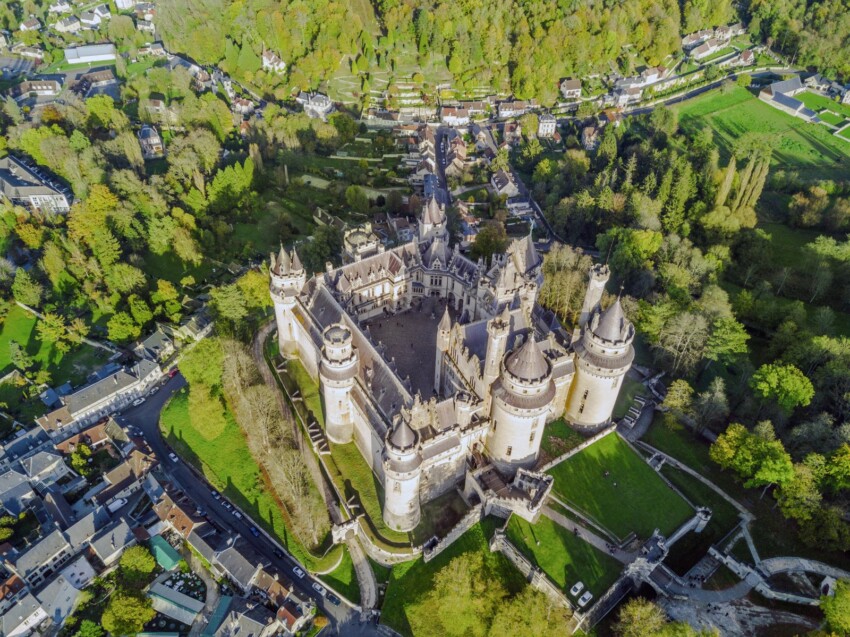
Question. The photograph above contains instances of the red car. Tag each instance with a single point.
(173, 373)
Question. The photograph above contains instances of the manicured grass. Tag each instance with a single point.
(845, 133)
(631, 498)
(625, 399)
(410, 582)
(558, 438)
(716, 56)
(809, 149)
(228, 465)
(787, 244)
(832, 118)
(565, 558)
(73, 366)
(818, 102)
(344, 579)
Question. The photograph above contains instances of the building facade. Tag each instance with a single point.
(431, 363)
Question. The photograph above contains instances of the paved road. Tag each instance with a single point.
(343, 618)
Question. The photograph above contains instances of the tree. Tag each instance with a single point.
(639, 617)
(137, 563)
(89, 629)
(785, 385)
(357, 199)
(491, 239)
(27, 290)
(122, 328)
(836, 608)
(728, 339)
(203, 364)
(711, 405)
(799, 497)
(126, 614)
(19, 357)
(679, 399)
(229, 303)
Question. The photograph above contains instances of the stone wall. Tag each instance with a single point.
(607, 602)
(472, 517)
(574, 451)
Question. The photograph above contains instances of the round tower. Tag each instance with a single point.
(603, 355)
(337, 374)
(521, 399)
(402, 472)
(287, 279)
(498, 329)
(599, 274)
(443, 331)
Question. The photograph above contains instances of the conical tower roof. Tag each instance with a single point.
(611, 323)
(283, 264)
(433, 213)
(446, 321)
(403, 437)
(296, 262)
(528, 362)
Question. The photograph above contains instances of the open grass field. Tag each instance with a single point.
(344, 579)
(809, 149)
(818, 102)
(845, 133)
(73, 366)
(227, 463)
(565, 558)
(410, 582)
(630, 498)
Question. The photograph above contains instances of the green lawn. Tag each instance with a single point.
(344, 579)
(631, 498)
(832, 118)
(628, 391)
(716, 56)
(818, 102)
(565, 558)
(558, 438)
(73, 366)
(227, 463)
(809, 149)
(410, 582)
(845, 133)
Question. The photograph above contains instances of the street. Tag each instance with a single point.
(145, 417)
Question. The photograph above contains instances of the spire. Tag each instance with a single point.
(283, 263)
(446, 321)
(611, 322)
(528, 362)
(403, 437)
(433, 213)
(296, 262)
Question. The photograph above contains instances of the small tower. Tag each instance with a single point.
(337, 374)
(498, 329)
(432, 220)
(402, 473)
(443, 331)
(287, 279)
(520, 405)
(599, 274)
(603, 355)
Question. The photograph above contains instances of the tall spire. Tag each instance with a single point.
(446, 321)
(283, 262)
(296, 262)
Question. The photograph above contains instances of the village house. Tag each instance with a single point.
(570, 88)
(60, 6)
(25, 617)
(158, 346)
(693, 40)
(590, 138)
(16, 494)
(627, 96)
(154, 49)
(454, 116)
(31, 187)
(102, 11)
(514, 108)
(547, 125)
(145, 26)
(71, 24)
(145, 10)
(31, 24)
(503, 183)
(707, 48)
(151, 143)
(125, 479)
(125, 5)
(45, 469)
(90, 54)
(35, 88)
(40, 560)
(90, 20)
(272, 62)
(316, 105)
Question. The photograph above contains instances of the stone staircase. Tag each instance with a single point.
(634, 411)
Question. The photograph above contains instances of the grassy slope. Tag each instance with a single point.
(344, 579)
(73, 366)
(410, 582)
(818, 102)
(640, 501)
(565, 558)
(227, 463)
(809, 149)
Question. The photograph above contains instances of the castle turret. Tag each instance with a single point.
(521, 401)
(599, 274)
(603, 355)
(337, 374)
(443, 331)
(402, 474)
(287, 279)
(432, 220)
(498, 329)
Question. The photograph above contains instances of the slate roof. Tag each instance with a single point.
(612, 322)
(82, 532)
(22, 611)
(527, 362)
(39, 463)
(15, 491)
(51, 544)
(236, 564)
(58, 599)
(113, 538)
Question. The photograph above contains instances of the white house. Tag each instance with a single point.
(125, 5)
(60, 6)
(90, 54)
(272, 62)
(102, 11)
(31, 25)
(145, 26)
(503, 183)
(454, 116)
(71, 24)
(546, 125)
(570, 89)
(90, 19)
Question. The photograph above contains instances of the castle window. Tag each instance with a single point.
(581, 409)
(614, 384)
(397, 487)
(508, 452)
(586, 392)
(531, 437)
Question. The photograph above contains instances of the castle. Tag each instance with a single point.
(433, 364)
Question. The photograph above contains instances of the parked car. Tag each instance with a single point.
(113, 506)
(153, 391)
(254, 531)
(173, 457)
(237, 515)
(172, 373)
(577, 588)
(298, 572)
(584, 599)
(138, 401)
(215, 494)
(321, 590)
(278, 554)
(226, 505)
(333, 599)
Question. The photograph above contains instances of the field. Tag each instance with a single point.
(565, 558)
(630, 498)
(818, 102)
(344, 578)
(809, 149)
(227, 463)
(73, 366)
(558, 438)
(410, 582)
(629, 390)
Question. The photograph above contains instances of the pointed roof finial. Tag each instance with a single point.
(283, 261)
(446, 321)
(296, 262)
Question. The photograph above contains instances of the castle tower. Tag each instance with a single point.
(337, 374)
(599, 274)
(432, 220)
(443, 331)
(521, 401)
(287, 279)
(402, 472)
(603, 355)
(498, 329)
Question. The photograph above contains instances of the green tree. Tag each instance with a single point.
(126, 614)
(122, 328)
(639, 617)
(229, 303)
(836, 608)
(728, 339)
(137, 563)
(88, 628)
(491, 239)
(784, 385)
(19, 357)
(357, 199)
(203, 363)
(27, 290)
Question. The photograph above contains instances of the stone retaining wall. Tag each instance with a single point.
(472, 517)
(575, 450)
